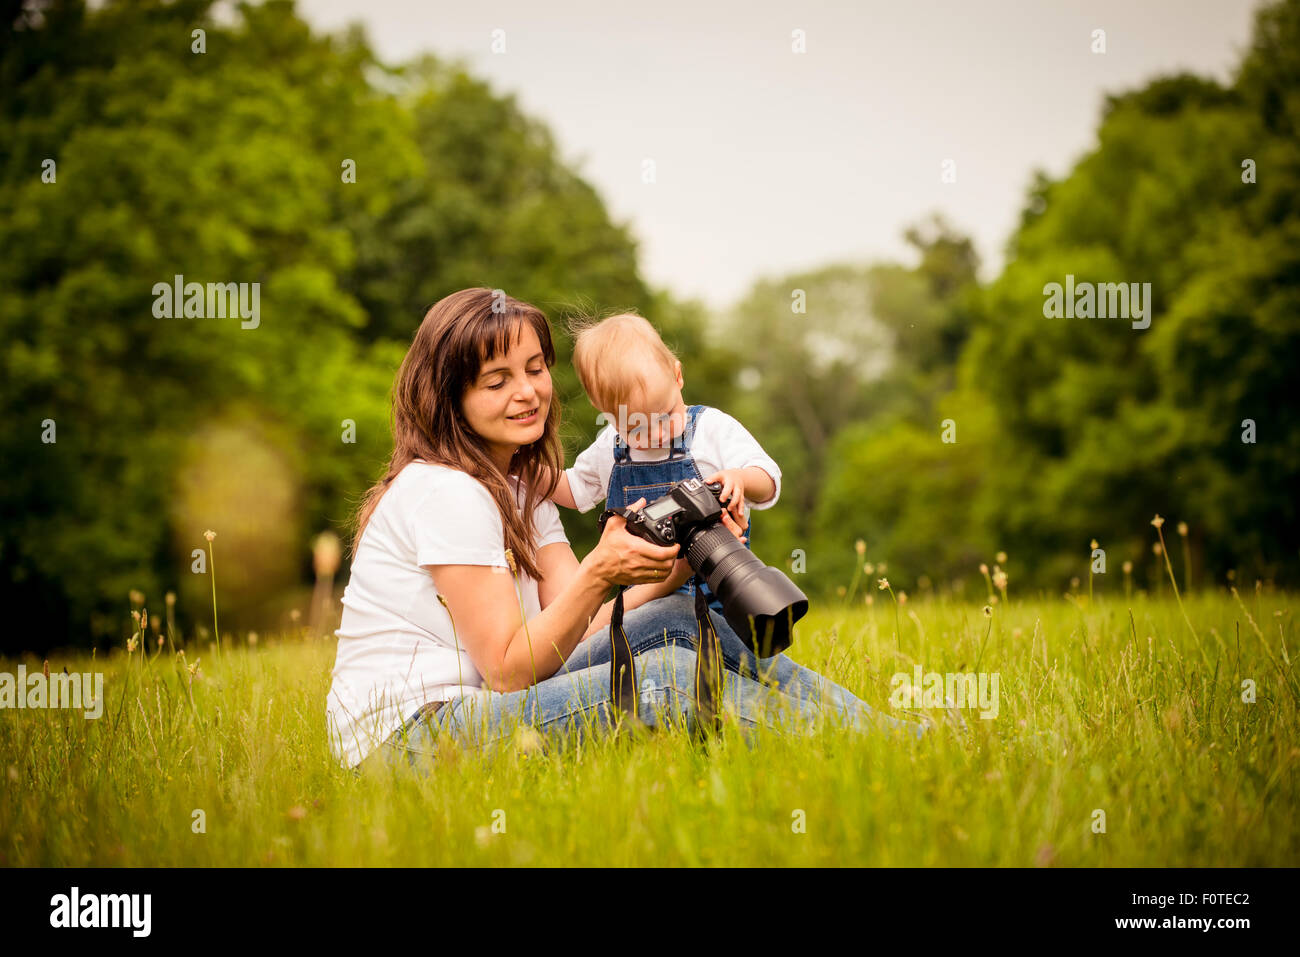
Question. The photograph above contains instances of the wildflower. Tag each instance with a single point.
(1157, 549)
(510, 560)
(170, 598)
(194, 668)
(209, 534)
(984, 569)
(295, 615)
(1128, 567)
(528, 741)
(137, 596)
(1001, 557)
(135, 616)
(988, 611)
(883, 584)
(130, 644)
(871, 599)
(860, 547)
(160, 641)
(1157, 521)
(902, 598)
(999, 579)
(326, 552)
(1182, 529)
(869, 568)
(1094, 544)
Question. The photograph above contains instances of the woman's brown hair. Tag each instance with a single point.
(460, 333)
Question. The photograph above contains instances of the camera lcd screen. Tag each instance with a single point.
(659, 509)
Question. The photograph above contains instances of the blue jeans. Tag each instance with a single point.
(775, 692)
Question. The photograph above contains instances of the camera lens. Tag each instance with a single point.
(759, 602)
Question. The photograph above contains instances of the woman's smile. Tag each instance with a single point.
(525, 418)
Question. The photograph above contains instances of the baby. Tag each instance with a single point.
(653, 438)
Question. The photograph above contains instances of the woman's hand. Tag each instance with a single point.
(621, 558)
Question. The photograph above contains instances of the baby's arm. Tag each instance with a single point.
(759, 486)
(583, 486)
(748, 473)
(752, 483)
(563, 495)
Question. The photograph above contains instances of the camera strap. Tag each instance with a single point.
(709, 670)
(622, 667)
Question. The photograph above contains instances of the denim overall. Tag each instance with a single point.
(630, 481)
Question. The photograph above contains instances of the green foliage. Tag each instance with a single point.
(227, 166)
(1067, 429)
(873, 351)
(1107, 425)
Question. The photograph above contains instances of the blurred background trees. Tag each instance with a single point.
(228, 167)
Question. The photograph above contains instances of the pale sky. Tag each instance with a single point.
(768, 161)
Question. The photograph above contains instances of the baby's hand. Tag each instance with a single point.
(733, 490)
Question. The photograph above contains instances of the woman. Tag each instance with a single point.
(466, 604)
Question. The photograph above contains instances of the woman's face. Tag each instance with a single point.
(508, 402)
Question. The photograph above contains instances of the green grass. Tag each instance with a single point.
(1135, 717)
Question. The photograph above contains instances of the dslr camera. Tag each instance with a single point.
(760, 603)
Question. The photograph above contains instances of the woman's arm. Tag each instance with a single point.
(565, 565)
(485, 607)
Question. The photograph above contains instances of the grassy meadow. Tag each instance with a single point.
(1107, 705)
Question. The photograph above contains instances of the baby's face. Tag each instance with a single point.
(654, 417)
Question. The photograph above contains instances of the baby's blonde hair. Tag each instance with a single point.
(612, 357)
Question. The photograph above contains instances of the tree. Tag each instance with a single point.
(352, 194)
(1106, 425)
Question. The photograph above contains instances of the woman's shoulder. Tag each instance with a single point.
(420, 479)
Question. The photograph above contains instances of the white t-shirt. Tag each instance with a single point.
(396, 647)
(720, 443)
